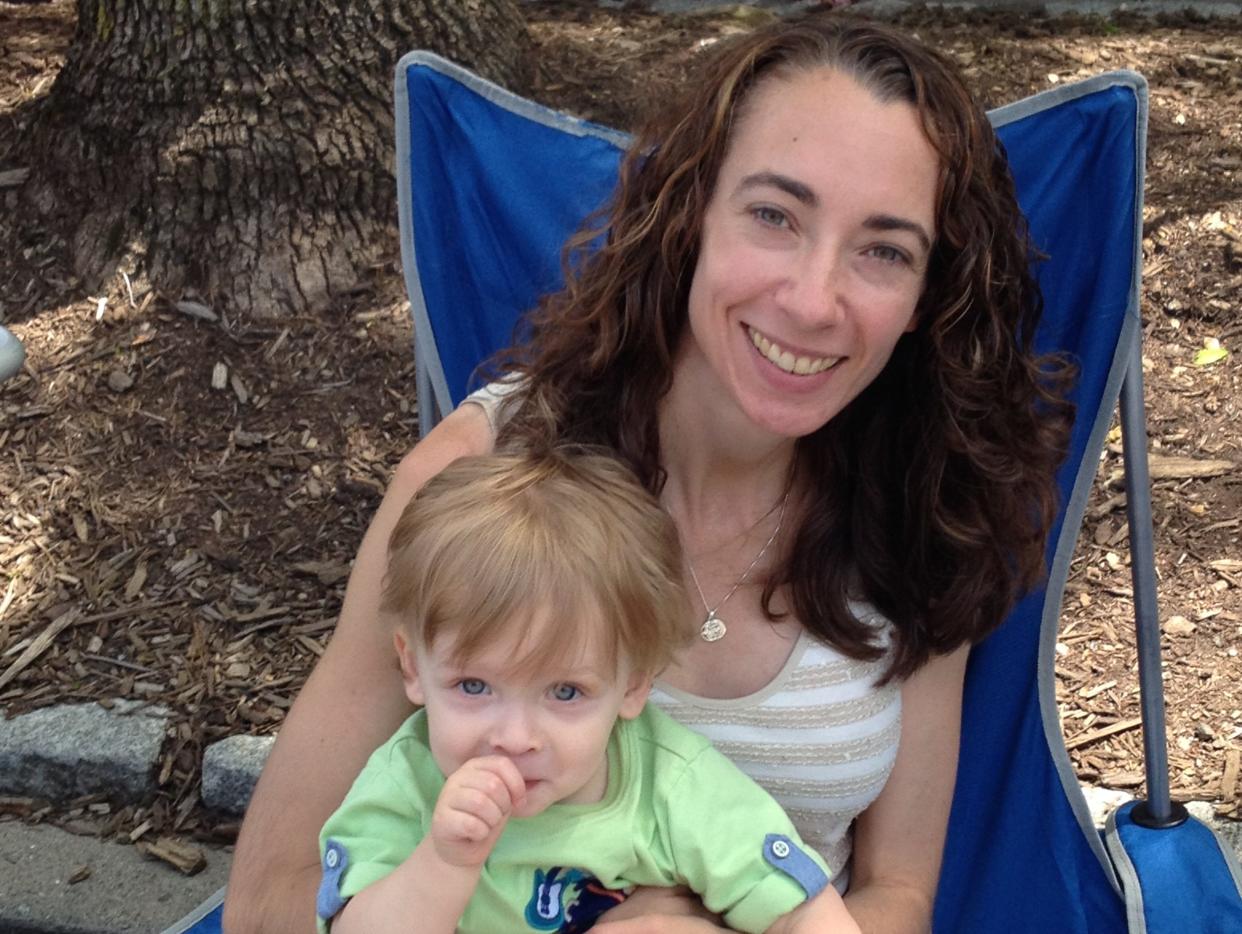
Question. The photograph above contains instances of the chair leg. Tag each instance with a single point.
(1157, 811)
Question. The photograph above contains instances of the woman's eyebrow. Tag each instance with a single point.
(791, 187)
(800, 192)
(883, 222)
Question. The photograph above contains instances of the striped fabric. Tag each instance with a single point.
(821, 738)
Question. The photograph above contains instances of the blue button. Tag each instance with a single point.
(789, 858)
(328, 901)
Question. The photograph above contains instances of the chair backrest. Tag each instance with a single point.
(490, 187)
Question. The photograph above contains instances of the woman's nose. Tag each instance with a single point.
(813, 292)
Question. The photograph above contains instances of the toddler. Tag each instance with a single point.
(537, 598)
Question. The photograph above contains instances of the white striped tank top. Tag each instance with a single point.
(821, 738)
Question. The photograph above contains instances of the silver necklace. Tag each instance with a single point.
(714, 628)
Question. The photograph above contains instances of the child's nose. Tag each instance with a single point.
(515, 733)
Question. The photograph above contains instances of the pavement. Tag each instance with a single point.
(56, 882)
(118, 891)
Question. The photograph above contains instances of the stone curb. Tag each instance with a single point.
(231, 768)
(82, 749)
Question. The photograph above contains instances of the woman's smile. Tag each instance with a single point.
(786, 359)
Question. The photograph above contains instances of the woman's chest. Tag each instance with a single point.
(744, 661)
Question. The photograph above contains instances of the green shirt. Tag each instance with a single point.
(676, 812)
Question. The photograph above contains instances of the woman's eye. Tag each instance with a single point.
(472, 686)
(888, 254)
(772, 217)
(566, 692)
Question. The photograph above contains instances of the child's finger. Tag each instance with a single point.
(508, 774)
(463, 825)
(480, 804)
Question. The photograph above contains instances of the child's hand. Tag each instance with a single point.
(473, 808)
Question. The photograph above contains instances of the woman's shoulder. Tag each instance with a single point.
(495, 401)
(464, 432)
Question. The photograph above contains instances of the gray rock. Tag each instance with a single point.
(1103, 801)
(80, 749)
(12, 353)
(230, 769)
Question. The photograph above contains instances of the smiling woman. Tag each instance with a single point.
(805, 322)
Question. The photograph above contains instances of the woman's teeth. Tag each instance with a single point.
(802, 366)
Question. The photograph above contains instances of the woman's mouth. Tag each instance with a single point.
(786, 360)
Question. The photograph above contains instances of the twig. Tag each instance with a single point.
(1119, 727)
(39, 645)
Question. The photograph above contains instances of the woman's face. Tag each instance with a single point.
(813, 252)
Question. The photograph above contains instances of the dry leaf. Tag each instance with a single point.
(1212, 352)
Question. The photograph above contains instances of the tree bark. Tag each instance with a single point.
(240, 149)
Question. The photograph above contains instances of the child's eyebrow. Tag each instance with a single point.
(580, 673)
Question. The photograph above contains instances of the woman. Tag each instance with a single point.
(808, 330)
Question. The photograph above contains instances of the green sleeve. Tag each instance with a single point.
(374, 831)
(721, 833)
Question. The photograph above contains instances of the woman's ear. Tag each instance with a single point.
(636, 693)
(409, 669)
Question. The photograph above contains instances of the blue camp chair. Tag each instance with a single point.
(490, 185)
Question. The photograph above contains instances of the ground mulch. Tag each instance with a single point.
(183, 492)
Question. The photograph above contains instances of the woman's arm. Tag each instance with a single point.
(352, 701)
(899, 839)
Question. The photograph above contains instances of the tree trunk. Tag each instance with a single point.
(240, 149)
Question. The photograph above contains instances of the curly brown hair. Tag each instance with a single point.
(932, 492)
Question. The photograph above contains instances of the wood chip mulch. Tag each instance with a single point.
(184, 492)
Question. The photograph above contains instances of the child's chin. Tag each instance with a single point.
(536, 801)
(531, 807)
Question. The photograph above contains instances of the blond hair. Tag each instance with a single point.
(492, 540)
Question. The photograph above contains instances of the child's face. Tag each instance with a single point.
(553, 725)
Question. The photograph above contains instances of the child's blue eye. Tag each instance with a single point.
(566, 692)
(472, 686)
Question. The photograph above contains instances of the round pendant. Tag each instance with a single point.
(713, 628)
